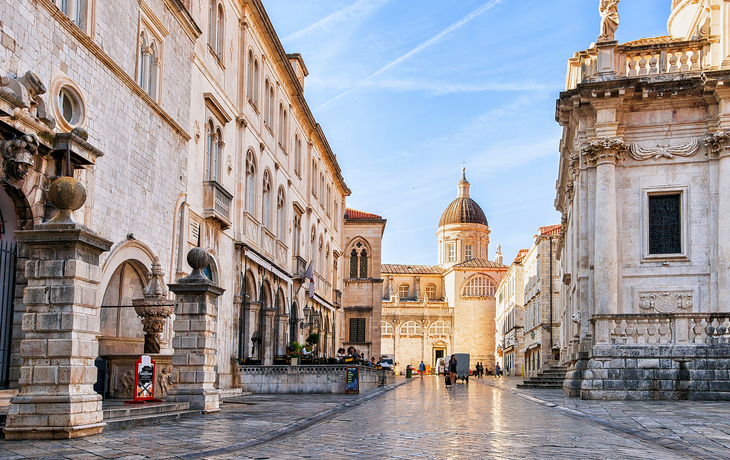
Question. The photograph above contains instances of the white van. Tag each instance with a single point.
(440, 366)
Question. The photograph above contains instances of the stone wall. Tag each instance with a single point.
(306, 379)
(659, 372)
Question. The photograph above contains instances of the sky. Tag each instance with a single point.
(409, 91)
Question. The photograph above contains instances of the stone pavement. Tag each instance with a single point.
(700, 427)
(420, 419)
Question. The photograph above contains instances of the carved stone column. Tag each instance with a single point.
(268, 338)
(61, 324)
(718, 146)
(154, 309)
(196, 338)
(604, 154)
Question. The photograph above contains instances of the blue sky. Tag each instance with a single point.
(406, 90)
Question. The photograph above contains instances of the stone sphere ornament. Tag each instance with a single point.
(67, 194)
(198, 259)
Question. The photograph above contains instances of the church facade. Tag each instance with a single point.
(644, 190)
(430, 312)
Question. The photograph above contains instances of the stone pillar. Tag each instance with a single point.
(268, 338)
(61, 324)
(718, 146)
(196, 338)
(604, 154)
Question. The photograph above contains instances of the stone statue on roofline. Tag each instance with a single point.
(609, 19)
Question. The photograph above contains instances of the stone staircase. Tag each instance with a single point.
(551, 378)
(118, 415)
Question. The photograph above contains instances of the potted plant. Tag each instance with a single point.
(295, 352)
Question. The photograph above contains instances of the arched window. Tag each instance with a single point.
(411, 328)
(431, 291)
(209, 146)
(386, 328)
(337, 215)
(217, 155)
(267, 102)
(329, 200)
(353, 264)
(313, 238)
(314, 177)
(220, 31)
(211, 24)
(320, 259)
(321, 187)
(249, 76)
(250, 182)
(266, 190)
(364, 264)
(144, 62)
(280, 214)
(271, 106)
(439, 328)
(403, 291)
(297, 237)
(327, 262)
(256, 83)
(153, 67)
(297, 155)
(479, 286)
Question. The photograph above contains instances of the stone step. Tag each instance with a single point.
(116, 410)
(151, 419)
(532, 386)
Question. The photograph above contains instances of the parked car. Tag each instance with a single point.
(440, 366)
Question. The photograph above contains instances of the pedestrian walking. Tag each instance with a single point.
(421, 369)
(452, 369)
(497, 371)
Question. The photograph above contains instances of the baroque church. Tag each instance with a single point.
(432, 311)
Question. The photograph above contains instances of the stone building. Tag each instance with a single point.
(363, 285)
(198, 135)
(541, 295)
(430, 312)
(644, 191)
(510, 318)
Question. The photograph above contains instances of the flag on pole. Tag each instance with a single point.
(310, 276)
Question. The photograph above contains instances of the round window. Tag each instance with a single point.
(71, 107)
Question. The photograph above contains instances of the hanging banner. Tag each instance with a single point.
(144, 381)
(352, 380)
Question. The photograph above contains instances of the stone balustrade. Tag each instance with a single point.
(669, 329)
(644, 58)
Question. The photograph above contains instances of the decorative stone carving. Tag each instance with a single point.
(154, 308)
(665, 302)
(609, 19)
(664, 151)
(18, 156)
(717, 144)
(605, 151)
(24, 93)
(164, 381)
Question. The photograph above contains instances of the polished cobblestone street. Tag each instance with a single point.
(419, 419)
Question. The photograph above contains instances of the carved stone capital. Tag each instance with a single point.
(604, 151)
(718, 144)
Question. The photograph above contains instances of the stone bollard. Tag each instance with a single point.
(195, 340)
(61, 324)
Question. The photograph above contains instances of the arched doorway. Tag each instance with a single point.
(8, 273)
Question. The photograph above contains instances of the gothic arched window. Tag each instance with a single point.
(353, 264)
(280, 214)
(364, 264)
(267, 199)
(250, 182)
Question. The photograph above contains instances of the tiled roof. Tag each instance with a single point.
(551, 230)
(352, 214)
(521, 254)
(480, 263)
(395, 269)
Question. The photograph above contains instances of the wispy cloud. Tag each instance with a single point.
(357, 10)
(430, 42)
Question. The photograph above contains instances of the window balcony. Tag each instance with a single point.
(299, 267)
(217, 203)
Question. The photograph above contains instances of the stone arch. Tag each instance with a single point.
(282, 301)
(359, 258)
(467, 281)
(211, 271)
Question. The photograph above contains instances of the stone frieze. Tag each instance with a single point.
(664, 151)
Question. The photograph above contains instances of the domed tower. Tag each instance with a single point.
(463, 232)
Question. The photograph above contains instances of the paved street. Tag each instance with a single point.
(420, 419)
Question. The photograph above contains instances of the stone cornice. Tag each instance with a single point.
(604, 151)
(718, 144)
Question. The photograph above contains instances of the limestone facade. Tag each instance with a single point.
(363, 283)
(510, 318)
(187, 125)
(434, 311)
(643, 192)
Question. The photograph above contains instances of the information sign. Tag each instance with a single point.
(352, 380)
(144, 381)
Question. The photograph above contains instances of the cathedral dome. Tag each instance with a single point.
(463, 210)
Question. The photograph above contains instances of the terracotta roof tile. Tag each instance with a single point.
(521, 254)
(395, 269)
(480, 263)
(551, 230)
(352, 214)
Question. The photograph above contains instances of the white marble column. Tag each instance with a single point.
(718, 146)
(604, 154)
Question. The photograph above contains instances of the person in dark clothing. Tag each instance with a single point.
(452, 369)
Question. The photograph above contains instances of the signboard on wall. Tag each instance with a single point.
(144, 380)
(352, 380)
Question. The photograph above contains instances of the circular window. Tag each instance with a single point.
(71, 107)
